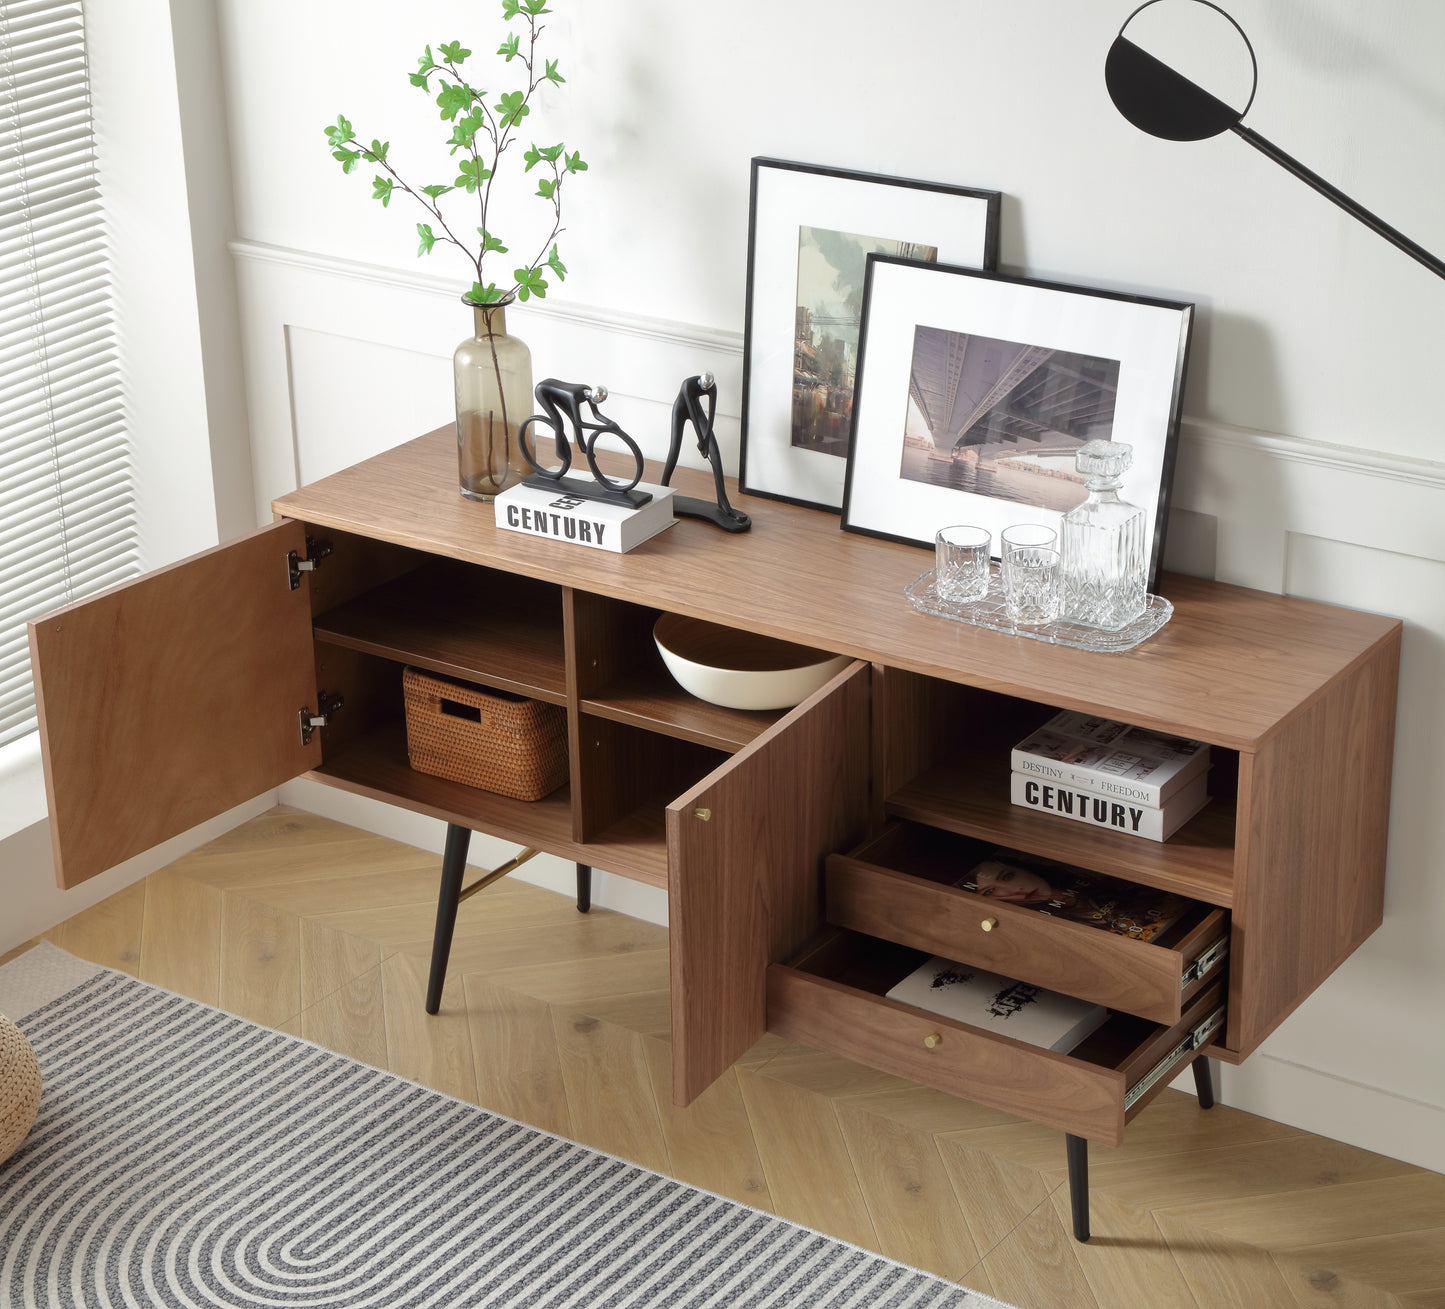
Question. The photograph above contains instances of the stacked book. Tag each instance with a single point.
(1107, 774)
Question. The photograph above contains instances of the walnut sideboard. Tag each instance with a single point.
(167, 700)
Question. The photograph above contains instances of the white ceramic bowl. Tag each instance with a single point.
(741, 670)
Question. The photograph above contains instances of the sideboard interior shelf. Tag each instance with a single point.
(376, 765)
(971, 796)
(501, 630)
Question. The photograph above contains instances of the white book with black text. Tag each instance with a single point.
(1126, 816)
(552, 515)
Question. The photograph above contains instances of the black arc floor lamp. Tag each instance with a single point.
(1163, 102)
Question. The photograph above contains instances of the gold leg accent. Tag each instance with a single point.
(486, 879)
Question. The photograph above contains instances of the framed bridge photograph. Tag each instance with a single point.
(975, 390)
(810, 232)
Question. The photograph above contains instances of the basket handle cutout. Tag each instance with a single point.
(458, 710)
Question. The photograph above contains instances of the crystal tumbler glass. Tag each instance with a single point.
(1027, 535)
(960, 562)
(1031, 584)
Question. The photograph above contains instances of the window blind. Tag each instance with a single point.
(67, 500)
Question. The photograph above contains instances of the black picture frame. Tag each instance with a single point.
(890, 494)
(786, 197)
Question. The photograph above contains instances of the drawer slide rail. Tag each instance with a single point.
(1192, 1040)
(1204, 963)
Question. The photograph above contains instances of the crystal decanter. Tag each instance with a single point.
(1105, 555)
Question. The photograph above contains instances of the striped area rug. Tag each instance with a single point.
(185, 1157)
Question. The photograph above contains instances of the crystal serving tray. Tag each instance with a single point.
(990, 612)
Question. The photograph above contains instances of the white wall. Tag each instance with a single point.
(138, 117)
(1310, 456)
(1303, 308)
(165, 173)
(210, 213)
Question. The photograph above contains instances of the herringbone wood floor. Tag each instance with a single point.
(561, 1020)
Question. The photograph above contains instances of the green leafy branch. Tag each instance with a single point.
(562, 165)
(482, 130)
(342, 137)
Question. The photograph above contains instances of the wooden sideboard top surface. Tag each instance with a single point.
(1230, 668)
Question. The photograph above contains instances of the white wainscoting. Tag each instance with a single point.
(345, 359)
(316, 328)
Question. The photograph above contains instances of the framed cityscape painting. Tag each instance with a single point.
(975, 390)
(810, 232)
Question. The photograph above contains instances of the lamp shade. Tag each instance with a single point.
(1161, 101)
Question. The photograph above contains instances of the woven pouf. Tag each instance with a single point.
(19, 1087)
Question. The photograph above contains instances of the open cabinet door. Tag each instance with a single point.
(745, 851)
(165, 701)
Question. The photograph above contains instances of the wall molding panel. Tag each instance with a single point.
(641, 360)
(655, 329)
(345, 358)
(691, 336)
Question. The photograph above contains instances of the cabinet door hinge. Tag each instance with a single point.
(316, 551)
(327, 705)
(1192, 1041)
(1204, 963)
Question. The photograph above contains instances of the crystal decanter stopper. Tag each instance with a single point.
(1104, 551)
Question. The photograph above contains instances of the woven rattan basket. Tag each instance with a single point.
(19, 1087)
(487, 739)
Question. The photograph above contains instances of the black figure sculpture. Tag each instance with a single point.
(688, 408)
(1163, 102)
(562, 400)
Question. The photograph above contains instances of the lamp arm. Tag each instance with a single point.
(1351, 207)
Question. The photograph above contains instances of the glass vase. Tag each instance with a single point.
(494, 398)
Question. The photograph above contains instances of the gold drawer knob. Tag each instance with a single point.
(932, 1039)
(704, 814)
(989, 924)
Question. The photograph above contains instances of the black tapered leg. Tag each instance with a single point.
(1078, 1152)
(454, 867)
(1204, 1081)
(584, 888)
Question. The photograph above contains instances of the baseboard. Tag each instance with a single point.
(1328, 1105)
(1320, 1102)
(34, 904)
(609, 891)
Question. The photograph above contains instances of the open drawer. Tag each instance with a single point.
(899, 887)
(832, 997)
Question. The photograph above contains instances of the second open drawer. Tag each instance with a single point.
(899, 887)
(833, 997)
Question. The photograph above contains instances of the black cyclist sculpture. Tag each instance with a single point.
(563, 409)
(564, 400)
